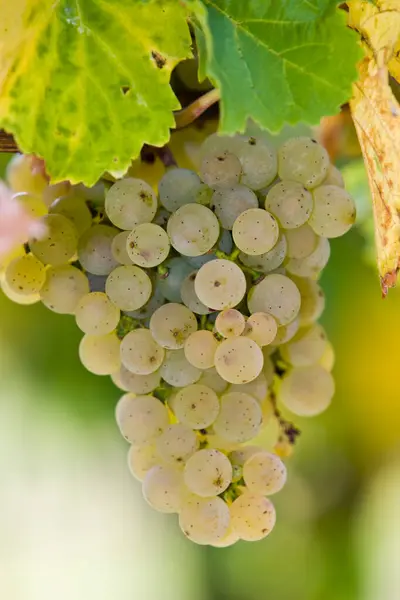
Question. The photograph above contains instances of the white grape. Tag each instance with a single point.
(290, 203)
(204, 520)
(220, 284)
(123, 408)
(229, 202)
(25, 299)
(220, 169)
(303, 160)
(262, 328)
(312, 300)
(94, 250)
(163, 488)
(193, 229)
(255, 231)
(212, 379)
(264, 473)
(25, 275)
(96, 314)
(23, 177)
(306, 348)
(334, 177)
(172, 324)
(238, 360)
(63, 289)
(189, 296)
(142, 419)
(230, 323)
(258, 388)
(259, 161)
(58, 244)
(130, 202)
(239, 419)
(307, 391)
(253, 516)
(100, 354)
(118, 248)
(313, 264)
(301, 242)
(334, 211)
(176, 444)
(170, 283)
(327, 360)
(140, 353)
(267, 261)
(147, 245)
(230, 538)
(200, 348)
(178, 187)
(177, 370)
(286, 332)
(196, 405)
(128, 287)
(141, 459)
(208, 472)
(138, 384)
(276, 295)
(32, 204)
(75, 209)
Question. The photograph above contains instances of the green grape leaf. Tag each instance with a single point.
(276, 61)
(84, 83)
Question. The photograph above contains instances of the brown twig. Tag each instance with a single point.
(7, 142)
(190, 113)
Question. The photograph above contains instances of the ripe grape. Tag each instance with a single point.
(163, 488)
(255, 231)
(140, 353)
(220, 169)
(100, 354)
(212, 379)
(301, 242)
(178, 187)
(290, 203)
(141, 459)
(128, 287)
(189, 296)
(22, 177)
(138, 384)
(170, 283)
(228, 203)
(264, 473)
(176, 444)
(196, 405)
(32, 204)
(58, 244)
(253, 516)
(25, 275)
(172, 324)
(239, 419)
(262, 328)
(303, 160)
(193, 229)
(118, 248)
(96, 314)
(200, 348)
(259, 161)
(238, 360)
(220, 284)
(267, 261)
(204, 520)
(277, 295)
(257, 388)
(313, 264)
(177, 370)
(63, 289)
(207, 473)
(75, 209)
(307, 391)
(94, 250)
(147, 245)
(142, 420)
(130, 202)
(230, 323)
(334, 211)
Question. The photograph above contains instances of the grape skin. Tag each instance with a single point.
(255, 231)
(196, 405)
(200, 348)
(290, 203)
(264, 473)
(238, 360)
(220, 284)
(208, 473)
(177, 370)
(163, 488)
(204, 520)
(130, 202)
(178, 187)
(193, 229)
(230, 323)
(128, 287)
(94, 249)
(276, 295)
(147, 245)
(176, 444)
(253, 516)
(229, 203)
(141, 459)
(303, 160)
(100, 354)
(25, 275)
(63, 289)
(189, 296)
(172, 324)
(142, 420)
(307, 391)
(239, 419)
(140, 353)
(60, 242)
(220, 169)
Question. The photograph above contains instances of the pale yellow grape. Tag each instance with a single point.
(118, 248)
(215, 143)
(176, 444)
(63, 289)
(25, 275)
(147, 245)
(313, 264)
(178, 187)
(193, 229)
(334, 177)
(130, 202)
(138, 384)
(141, 459)
(220, 169)
(142, 420)
(238, 360)
(207, 472)
(196, 405)
(253, 516)
(140, 353)
(54, 191)
(258, 388)
(264, 473)
(94, 250)
(255, 231)
(303, 160)
(18, 298)
(290, 203)
(267, 261)
(116, 379)
(276, 295)
(189, 296)
(240, 456)
(22, 176)
(230, 538)
(200, 348)
(230, 323)
(204, 520)
(96, 314)
(239, 419)
(6, 258)
(262, 328)
(312, 300)
(58, 244)
(163, 488)
(307, 391)
(334, 211)
(229, 202)
(268, 367)
(327, 360)
(100, 354)
(306, 348)
(32, 204)
(259, 161)
(286, 332)
(220, 284)
(177, 370)
(128, 287)
(172, 324)
(212, 379)
(123, 408)
(74, 208)
(301, 242)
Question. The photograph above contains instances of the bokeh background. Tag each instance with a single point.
(73, 525)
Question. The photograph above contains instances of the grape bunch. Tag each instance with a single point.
(202, 304)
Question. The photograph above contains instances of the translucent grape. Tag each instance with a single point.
(18, 298)
(176, 444)
(141, 459)
(138, 384)
(239, 419)
(334, 177)
(212, 379)
(75, 209)
(301, 242)
(276, 295)
(204, 520)
(25, 275)
(148, 245)
(140, 353)
(262, 328)
(258, 388)
(267, 261)
(7, 257)
(142, 420)
(208, 472)
(193, 229)
(94, 250)
(230, 538)
(172, 324)
(303, 160)
(312, 300)
(220, 169)
(327, 360)
(230, 323)
(253, 516)
(264, 473)
(286, 332)
(130, 202)
(313, 264)
(200, 348)
(163, 488)
(238, 360)
(306, 348)
(196, 405)
(307, 391)
(220, 284)
(170, 284)
(100, 354)
(123, 408)
(229, 203)
(334, 211)
(255, 231)
(128, 287)
(145, 311)
(290, 203)
(259, 161)
(177, 370)
(32, 204)
(58, 244)
(178, 187)
(96, 314)
(118, 248)
(22, 176)
(63, 289)
(189, 296)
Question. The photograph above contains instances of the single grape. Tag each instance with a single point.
(138, 384)
(228, 203)
(63, 289)
(238, 360)
(253, 516)
(94, 250)
(301, 242)
(141, 459)
(255, 231)
(170, 283)
(264, 473)
(32, 204)
(220, 284)
(177, 370)
(230, 323)
(276, 295)
(286, 332)
(142, 420)
(258, 388)
(147, 245)
(334, 211)
(193, 229)
(118, 248)
(123, 408)
(267, 261)
(259, 161)
(96, 314)
(290, 203)
(18, 298)
(200, 348)
(100, 354)
(196, 405)
(220, 169)
(262, 328)
(303, 160)
(230, 538)
(22, 176)
(75, 209)
(189, 296)
(172, 324)
(307, 391)
(312, 300)
(208, 472)
(25, 275)
(239, 419)
(163, 488)
(178, 187)
(59, 243)
(140, 353)
(128, 287)
(130, 202)
(313, 264)
(212, 379)
(204, 520)
(176, 444)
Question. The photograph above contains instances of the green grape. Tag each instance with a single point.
(64, 287)
(96, 314)
(75, 209)
(59, 244)
(94, 250)
(25, 275)
(130, 202)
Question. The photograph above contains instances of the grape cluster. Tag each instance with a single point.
(202, 305)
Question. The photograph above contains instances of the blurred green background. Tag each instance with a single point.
(73, 525)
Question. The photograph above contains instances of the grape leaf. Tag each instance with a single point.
(277, 61)
(84, 83)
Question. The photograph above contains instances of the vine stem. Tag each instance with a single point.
(190, 113)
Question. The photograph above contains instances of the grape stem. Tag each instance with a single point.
(190, 113)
